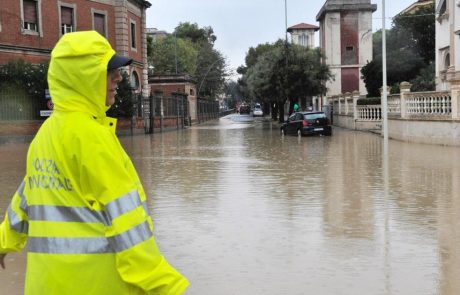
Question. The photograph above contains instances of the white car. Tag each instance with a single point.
(257, 112)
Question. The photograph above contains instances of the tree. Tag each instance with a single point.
(233, 93)
(211, 72)
(418, 32)
(410, 53)
(402, 65)
(285, 72)
(25, 75)
(163, 56)
(425, 81)
(193, 48)
(195, 34)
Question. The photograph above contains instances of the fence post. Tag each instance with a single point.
(183, 111)
(355, 95)
(162, 114)
(455, 99)
(346, 95)
(175, 97)
(198, 103)
(404, 91)
(340, 104)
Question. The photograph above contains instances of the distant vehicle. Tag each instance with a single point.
(257, 112)
(245, 109)
(307, 123)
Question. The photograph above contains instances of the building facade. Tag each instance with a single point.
(156, 34)
(447, 43)
(346, 41)
(29, 29)
(416, 5)
(303, 34)
(167, 85)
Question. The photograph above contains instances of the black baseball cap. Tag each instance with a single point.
(118, 61)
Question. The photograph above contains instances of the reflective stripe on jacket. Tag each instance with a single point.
(81, 208)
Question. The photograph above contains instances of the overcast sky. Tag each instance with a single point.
(240, 24)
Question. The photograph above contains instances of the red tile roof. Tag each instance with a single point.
(303, 26)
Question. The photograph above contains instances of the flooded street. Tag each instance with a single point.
(239, 209)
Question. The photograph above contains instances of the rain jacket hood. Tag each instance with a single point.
(77, 76)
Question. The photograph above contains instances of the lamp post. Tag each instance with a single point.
(206, 74)
(384, 101)
(175, 49)
(285, 20)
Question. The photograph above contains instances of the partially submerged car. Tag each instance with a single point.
(307, 123)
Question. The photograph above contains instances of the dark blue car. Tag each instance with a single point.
(307, 123)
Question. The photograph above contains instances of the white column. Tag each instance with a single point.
(404, 91)
(455, 99)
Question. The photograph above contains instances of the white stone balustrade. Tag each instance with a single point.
(406, 105)
(369, 112)
(429, 104)
(394, 105)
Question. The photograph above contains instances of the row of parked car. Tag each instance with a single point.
(256, 112)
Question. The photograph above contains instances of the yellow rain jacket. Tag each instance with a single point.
(81, 210)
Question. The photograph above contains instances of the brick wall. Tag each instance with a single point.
(14, 44)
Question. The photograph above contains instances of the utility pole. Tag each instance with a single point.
(384, 100)
(175, 49)
(285, 20)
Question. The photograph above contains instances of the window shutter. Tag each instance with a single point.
(99, 23)
(30, 11)
(66, 16)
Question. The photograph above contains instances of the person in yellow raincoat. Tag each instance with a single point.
(80, 210)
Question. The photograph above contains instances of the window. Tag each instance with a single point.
(447, 62)
(67, 20)
(315, 116)
(442, 7)
(133, 34)
(349, 48)
(303, 40)
(134, 81)
(99, 23)
(30, 15)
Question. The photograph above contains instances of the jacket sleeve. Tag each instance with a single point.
(129, 228)
(14, 228)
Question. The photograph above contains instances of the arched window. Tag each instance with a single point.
(447, 62)
(134, 80)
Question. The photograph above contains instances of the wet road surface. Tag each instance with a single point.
(241, 210)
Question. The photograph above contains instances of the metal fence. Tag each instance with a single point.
(17, 104)
(164, 112)
(207, 110)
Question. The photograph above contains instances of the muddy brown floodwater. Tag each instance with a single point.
(240, 210)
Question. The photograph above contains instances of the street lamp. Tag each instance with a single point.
(384, 102)
(285, 20)
(206, 74)
(175, 49)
